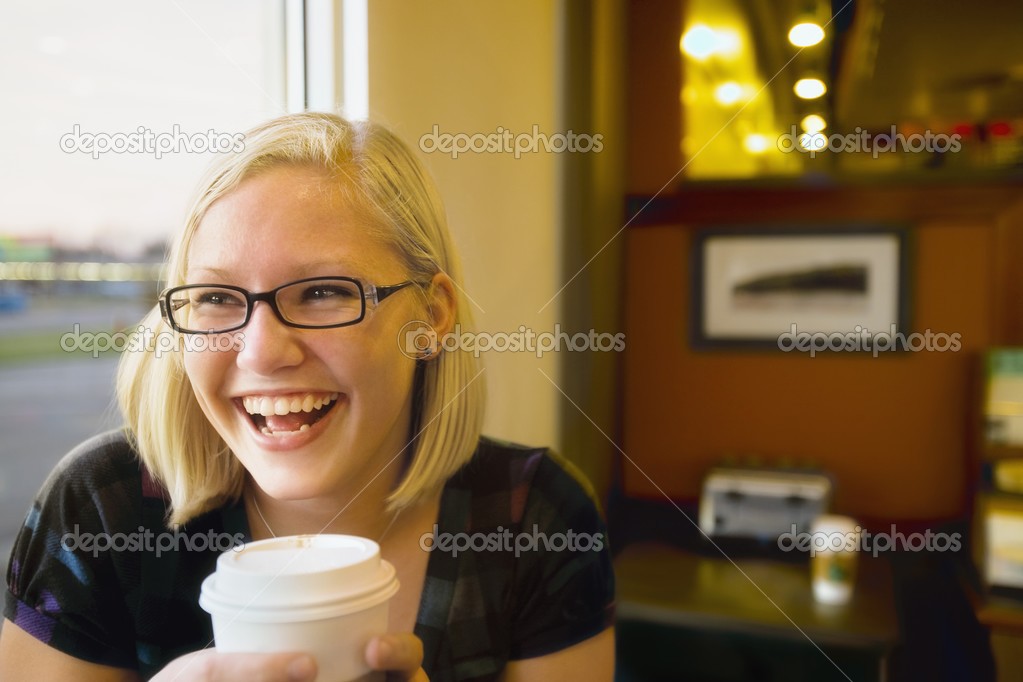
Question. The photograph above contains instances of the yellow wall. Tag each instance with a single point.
(470, 67)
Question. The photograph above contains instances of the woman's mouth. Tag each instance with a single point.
(283, 415)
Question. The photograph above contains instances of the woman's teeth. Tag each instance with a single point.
(268, 406)
(280, 415)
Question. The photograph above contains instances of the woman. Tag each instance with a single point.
(303, 397)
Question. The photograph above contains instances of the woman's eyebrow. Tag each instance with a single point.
(331, 268)
(204, 269)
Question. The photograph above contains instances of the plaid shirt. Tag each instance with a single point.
(520, 565)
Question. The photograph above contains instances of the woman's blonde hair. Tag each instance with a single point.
(378, 172)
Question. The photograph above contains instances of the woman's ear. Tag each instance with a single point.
(442, 304)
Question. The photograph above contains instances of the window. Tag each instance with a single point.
(110, 113)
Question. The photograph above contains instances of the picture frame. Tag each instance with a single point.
(752, 285)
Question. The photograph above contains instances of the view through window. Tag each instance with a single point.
(112, 112)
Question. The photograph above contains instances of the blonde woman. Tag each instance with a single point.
(292, 402)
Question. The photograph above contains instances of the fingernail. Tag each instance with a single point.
(301, 669)
(385, 650)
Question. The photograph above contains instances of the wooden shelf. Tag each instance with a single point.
(997, 452)
(756, 203)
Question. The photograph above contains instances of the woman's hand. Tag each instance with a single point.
(399, 654)
(210, 666)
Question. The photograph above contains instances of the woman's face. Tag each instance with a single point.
(277, 227)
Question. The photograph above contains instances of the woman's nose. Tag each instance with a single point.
(267, 344)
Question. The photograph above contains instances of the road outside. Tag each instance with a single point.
(45, 410)
(53, 401)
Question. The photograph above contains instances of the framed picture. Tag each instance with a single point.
(752, 285)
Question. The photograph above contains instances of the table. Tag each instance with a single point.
(760, 598)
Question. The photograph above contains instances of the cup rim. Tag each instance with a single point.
(291, 605)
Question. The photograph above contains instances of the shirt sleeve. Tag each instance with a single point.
(564, 588)
(66, 585)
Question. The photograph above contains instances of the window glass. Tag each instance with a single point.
(112, 110)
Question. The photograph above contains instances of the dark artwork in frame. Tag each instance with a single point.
(768, 287)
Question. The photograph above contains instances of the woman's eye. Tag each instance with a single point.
(216, 298)
(323, 292)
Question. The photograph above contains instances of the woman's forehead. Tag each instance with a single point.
(289, 220)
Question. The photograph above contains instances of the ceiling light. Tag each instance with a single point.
(810, 88)
(728, 42)
(702, 41)
(813, 123)
(813, 142)
(806, 34)
(728, 93)
(699, 42)
(755, 143)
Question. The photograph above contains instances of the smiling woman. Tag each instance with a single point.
(304, 260)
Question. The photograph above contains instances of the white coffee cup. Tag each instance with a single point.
(834, 542)
(326, 595)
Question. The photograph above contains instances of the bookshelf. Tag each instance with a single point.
(998, 509)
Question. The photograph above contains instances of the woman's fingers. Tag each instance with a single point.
(397, 653)
(401, 655)
(210, 666)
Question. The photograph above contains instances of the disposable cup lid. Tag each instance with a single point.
(300, 577)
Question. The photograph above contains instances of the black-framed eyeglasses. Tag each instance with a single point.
(311, 303)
